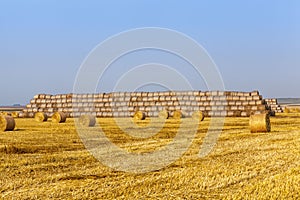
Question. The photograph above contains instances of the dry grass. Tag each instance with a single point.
(48, 160)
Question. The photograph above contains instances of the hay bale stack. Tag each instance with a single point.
(7, 123)
(198, 115)
(187, 101)
(87, 120)
(260, 123)
(177, 114)
(163, 114)
(139, 115)
(40, 117)
(59, 117)
(273, 105)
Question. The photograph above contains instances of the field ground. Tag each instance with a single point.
(46, 160)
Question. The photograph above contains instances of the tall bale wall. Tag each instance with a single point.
(125, 104)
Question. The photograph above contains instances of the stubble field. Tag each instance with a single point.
(47, 160)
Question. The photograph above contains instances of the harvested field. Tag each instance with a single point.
(48, 160)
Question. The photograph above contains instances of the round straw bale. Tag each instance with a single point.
(260, 123)
(177, 114)
(59, 117)
(198, 115)
(87, 120)
(40, 117)
(139, 115)
(7, 123)
(163, 114)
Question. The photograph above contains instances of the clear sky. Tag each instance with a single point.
(255, 44)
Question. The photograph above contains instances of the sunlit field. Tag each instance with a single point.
(48, 160)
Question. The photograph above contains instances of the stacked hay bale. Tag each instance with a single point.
(48, 104)
(273, 105)
(126, 104)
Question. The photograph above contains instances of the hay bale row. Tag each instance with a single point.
(150, 108)
(153, 103)
(170, 113)
(236, 113)
(212, 102)
(179, 99)
(57, 117)
(145, 94)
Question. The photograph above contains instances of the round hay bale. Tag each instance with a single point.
(40, 117)
(177, 114)
(7, 123)
(260, 123)
(163, 114)
(139, 115)
(59, 117)
(87, 120)
(198, 115)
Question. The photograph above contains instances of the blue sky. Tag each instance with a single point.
(255, 44)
